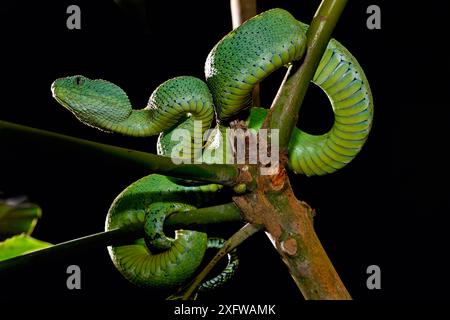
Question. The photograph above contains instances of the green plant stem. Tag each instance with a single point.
(193, 219)
(284, 111)
(216, 173)
(190, 219)
(188, 292)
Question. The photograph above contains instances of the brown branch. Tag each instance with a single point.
(289, 226)
(241, 11)
(288, 222)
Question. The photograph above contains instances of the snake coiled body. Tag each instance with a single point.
(160, 262)
(239, 61)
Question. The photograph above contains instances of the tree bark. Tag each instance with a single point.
(289, 225)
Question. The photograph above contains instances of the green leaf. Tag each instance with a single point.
(20, 244)
(17, 216)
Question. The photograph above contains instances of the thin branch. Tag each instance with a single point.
(217, 173)
(189, 219)
(62, 249)
(193, 219)
(241, 11)
(188, 292)
(284, 111)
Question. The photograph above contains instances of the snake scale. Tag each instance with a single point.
(238, 62)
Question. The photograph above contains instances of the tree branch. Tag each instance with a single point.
(288, 222)
(216, 173)
(289, 226)
(188, 292)
(241, 11)
(284, 111)
(192, 219)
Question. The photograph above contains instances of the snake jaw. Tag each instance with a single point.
(65, 104)
(97, 103)
(57, 89)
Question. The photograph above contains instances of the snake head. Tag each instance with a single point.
(97, 103)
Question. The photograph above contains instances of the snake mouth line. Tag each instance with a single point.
(54, 95)
(52, 88)
(61, 101)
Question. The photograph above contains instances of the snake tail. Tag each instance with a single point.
(227, 273)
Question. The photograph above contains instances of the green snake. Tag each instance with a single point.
(157, 260)
(238, 62)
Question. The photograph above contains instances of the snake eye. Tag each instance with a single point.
(79, 81)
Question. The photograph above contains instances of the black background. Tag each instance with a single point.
(388, 207)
